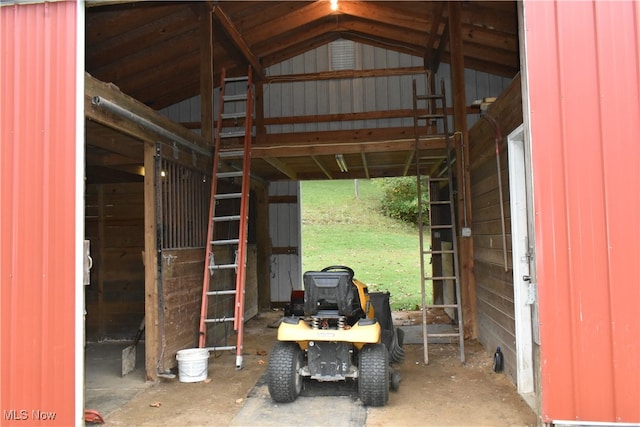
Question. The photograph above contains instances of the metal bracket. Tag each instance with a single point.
(212, 264)
(531, 294)
(169, 258)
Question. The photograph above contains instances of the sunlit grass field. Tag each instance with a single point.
(339, 228)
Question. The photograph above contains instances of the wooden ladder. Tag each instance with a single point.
(435, 106)
(224, 283)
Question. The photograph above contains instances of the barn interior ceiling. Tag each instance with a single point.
(152, 51)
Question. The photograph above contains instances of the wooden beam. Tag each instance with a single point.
(345, 142)
(94, 87)
(322, 167)
(394, 37)
(114, 142)
(300, 47)
(465, 256)
(152, 305)
(287, 22)
(206, 75)
(431, 59)
(263, 244)
(282, 167)
(364, 164)
(374, 11)
(344, 74)
(238, 40)
(408, 163)
(366, 115)
(179, 153)
(259, 108)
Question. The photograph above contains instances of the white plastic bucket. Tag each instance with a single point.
(193, 365)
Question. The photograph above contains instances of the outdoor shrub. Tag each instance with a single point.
(400, 199)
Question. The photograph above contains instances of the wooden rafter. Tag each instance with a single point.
(322, 167)
(238, 40)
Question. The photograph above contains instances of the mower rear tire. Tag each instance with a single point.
(373, 376)
(283, 372)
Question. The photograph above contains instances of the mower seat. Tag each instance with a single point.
(331, 293)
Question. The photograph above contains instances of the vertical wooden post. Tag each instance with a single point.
(102, 326)
(261, 131)
(462, 155)
(206, 75)
(263, 245)
(151, 336)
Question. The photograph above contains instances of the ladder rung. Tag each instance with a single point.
(439, 252)
(225, 196)
(423, 97)
(442, 306)
(219, 320)
(444, 335)
(226, 218)
(232, 98)
(225, 242)
(430, 116)
(228, 154)
(439, 179)
(222, 267)
(439, 202)
(226, 292)
(440, 277)
(239, 115)
(229, 174)
(221, 348)
(236, 79)
(440, 226)
(232, 134)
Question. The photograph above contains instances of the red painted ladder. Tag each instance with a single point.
(228, 229)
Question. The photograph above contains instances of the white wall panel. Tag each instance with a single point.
(284, 232)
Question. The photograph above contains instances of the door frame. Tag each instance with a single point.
(524, 292)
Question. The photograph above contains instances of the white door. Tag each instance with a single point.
(524, 289)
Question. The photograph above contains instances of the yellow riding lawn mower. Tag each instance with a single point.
(336, 330)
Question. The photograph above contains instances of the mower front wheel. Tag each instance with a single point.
(373, 378)
(283, 372)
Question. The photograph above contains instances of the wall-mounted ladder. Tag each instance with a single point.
(440, 222)
(223, 286)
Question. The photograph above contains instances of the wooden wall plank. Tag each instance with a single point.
(494, 283)
(182, 298)
(114, 225)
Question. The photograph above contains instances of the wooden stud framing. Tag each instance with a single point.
(206, 76)
(462, 154)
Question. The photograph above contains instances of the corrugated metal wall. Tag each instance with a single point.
(583, 74)
(347, 95)
(284, 231)
(38, 249)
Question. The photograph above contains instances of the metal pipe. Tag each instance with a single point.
(115, 108)
(498, 138)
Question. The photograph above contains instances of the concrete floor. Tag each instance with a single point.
(105, 388)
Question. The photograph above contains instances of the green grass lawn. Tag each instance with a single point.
(340, 229)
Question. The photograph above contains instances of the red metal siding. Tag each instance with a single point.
(583, 74)
(37, 213)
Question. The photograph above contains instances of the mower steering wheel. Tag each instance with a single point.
(340, 267)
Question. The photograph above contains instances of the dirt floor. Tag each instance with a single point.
(442, 393)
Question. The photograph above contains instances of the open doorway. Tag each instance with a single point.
(114, 297)
(343, 224)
